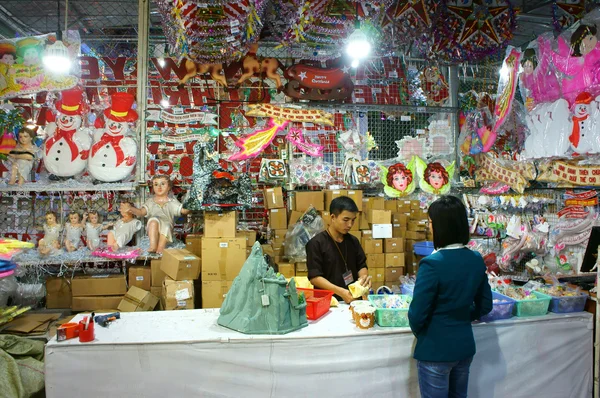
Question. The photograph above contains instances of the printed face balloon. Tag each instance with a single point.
(8, 59)
(588, 44)
(528, 67)
(68, 122)
(400, 181)
(436, 180)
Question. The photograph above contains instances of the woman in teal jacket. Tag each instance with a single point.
(452, 290)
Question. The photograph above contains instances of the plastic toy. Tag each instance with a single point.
(50, 243)
(23, 156)
(73, 230)
(124, 229)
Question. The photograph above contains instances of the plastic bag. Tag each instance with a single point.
(8, 289)
(29, 294)
(300, 233)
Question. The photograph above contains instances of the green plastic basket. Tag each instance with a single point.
(389, 317)
(537, 307)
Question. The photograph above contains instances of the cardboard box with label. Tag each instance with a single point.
(138, 299)
(304, 200)
(223, 258)
(376, 203)
(249, 236)
(99, 285)
(377, 274)
(394, 260)
(393, 274)
(140, 276)
(214, 292)
(357, 197)
(398, 232)
(418, 225)
(193, 244)
(394, 245)
(363, 222)
(331, 194)
(404, 206)
(158, 276)
(391, 205)
(294, 217)
(288, 270)
(372, 246)
(401, 219)
(273, 198)
(94, 303)
(58, 293)
(417, 236)
(356, 234)
(379, 217)
(157, 291)
(180, 264)
(278, 237)
(375, 260)
(419, 214)
(382, 231)
(177, 295)
(220, 224)
(278, 219)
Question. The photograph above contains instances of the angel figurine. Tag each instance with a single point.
(93, 229)
(73, 231)
(398, 179)
(50, 243)
(124, 228)
(434, 177)
(22, 157)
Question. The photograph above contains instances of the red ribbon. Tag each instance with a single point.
(114, 141)
(68, 136)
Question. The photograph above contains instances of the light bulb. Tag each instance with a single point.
(56, 58)
(164, 103)
(354, 63)
(161, 62)
(358, 46)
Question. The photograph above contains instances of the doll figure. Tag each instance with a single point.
(538, 83)
(50, 243)
(73, 231)
(399, 179)
(124, 228)
(93, 229)
(8, 55)
(29, 71)
(160, 210)
(23, 156)
(434, 177)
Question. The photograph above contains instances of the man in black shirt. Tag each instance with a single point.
(335, 258)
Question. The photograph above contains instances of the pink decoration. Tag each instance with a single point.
(7, 273)
(296, 137)
(122, 254)
(253, 144)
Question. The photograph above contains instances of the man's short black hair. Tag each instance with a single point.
(341, 203)
(449, 222)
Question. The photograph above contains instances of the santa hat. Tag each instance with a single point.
(71, 102)
(120, 109)
(584, 98)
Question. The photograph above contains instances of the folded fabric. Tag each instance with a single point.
(357, 290)
(7, 266)
(7, 273)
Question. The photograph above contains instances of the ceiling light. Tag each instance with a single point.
(354, 63)
(56, 58)
(164, 103)
(358, 46)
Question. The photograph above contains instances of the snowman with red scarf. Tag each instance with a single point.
(113, 154)
(67, 147)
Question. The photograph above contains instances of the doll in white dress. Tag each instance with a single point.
(124, 229)
(73, 231)
(161, 211)
(93, 229)
(22, 157)
(50, 243)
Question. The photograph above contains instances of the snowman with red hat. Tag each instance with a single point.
(113, 154)
(584, 138)
(67, 147)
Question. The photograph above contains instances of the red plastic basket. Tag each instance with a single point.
(318, 302)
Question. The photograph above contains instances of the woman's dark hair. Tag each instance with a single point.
(449, 222)
(577, 38)
(341, 203)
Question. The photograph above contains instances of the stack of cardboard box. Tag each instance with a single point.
(156, 280)
(97, 292)
(58, 293)
(139, 296)
(224, 252)
(181, 268)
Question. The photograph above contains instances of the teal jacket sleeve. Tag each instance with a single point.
(482, 304)
(424, 295)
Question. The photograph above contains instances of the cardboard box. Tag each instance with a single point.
(375, 260)
(393, 274)
(331, 194)
(99, 285)
(268, 249)
(223, 258)
(58, 293)
(193, 244)
(394, 245)
(278, 237)
(302, 273)
(220, 224)
(273, 198)
(394, 260)
(356, 225)
(326, 216)
(382, 231)
(401, 219)
(418, 214)
(278, 219)
(363, 223)
(377, 274)
(410, 262)
(288, 270)
(413, 235)
(301, 267)
(415, 204)
(376, 285)
(303, 200)
(250, 237)
(93, 303)
(372, 246)
(140, 276)
(376, 203)
(158, 276)
(294, 217)
(357, 197)
(404, 206)
(368, 233)
(180, 264)
(136, 300)
(214, 292)
(418, 225)
(408, 245)
(398, 232)
(177, 295)
(379, 217)
(391, 205)
(357, 234)
(157, 291)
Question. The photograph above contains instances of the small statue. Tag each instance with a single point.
(93, 229)
(50, 243)
(73, 231)
(124, 228)
(22, 157)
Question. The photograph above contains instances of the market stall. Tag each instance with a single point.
(187, 353)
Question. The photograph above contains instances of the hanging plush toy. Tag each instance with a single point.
(398, 179)
(67, 147)
(113, 154)
(434, 177)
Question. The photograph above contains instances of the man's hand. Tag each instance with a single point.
(346, 296)
(365, 281)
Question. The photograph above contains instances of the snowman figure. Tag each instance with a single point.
(67, 147)
(113, 155)
(584, 138)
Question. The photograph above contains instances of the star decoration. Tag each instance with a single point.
(302, 75)
(345, 69)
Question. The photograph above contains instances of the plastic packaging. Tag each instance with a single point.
(300, 233)
(29, 294)
(502, 309)
(390, 317)
(8, 289)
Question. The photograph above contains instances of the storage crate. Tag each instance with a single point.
(389, 317)
(500, 310)
(318, 302)
(423, 248)
(535, 307)
(564, 304)
(407, 290)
